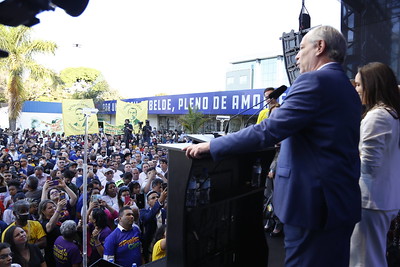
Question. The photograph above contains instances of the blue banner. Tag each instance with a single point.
(223, 103)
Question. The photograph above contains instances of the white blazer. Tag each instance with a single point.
(380, 160)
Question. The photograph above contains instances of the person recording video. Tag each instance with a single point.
(128, 128)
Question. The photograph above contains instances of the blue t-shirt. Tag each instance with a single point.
(125, 246)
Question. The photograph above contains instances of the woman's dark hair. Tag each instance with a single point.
(101, 218)
(106, 188)
(120, 191)
(15, 183)
(379, 87)
(160, 233)
(9, 238)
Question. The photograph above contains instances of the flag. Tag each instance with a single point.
(74, 119)
(112, 129)
(134, 112)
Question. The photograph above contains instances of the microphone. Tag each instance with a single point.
(277, 92)
(274, 95)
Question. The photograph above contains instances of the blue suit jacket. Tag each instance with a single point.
(149, 220)
(316, 182)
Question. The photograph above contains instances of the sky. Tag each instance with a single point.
(144, 48)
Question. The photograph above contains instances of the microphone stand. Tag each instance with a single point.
(252, 115)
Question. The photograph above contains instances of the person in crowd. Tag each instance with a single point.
(152, 217)
(126, 179)
(117, 173)
(136, 194)
(17, 166)
(147, 131)
(108, 177)
(33, 229)
(68, 177)
(41, 175)
(14, 186)
(24, 253)
(94, 184)
(6, 256)
(135, 174)
(45, 163)
(8, 176)
(8, 214)
(123, 245)
(90, 175)
(162, 171)
(66, 252)
(128, 128)
(160, 244)
(26, 168)
(151, 175)
(380, 169)
(12, 151)
(98, 227)
(32, 188)
(124, 199)
(96, 201)
(317, 195)
(33, 210)
(110, 194)
(50, 214)
(3, 188)
(60, 164)
(58, 192)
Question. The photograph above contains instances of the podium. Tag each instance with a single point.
(215, 213)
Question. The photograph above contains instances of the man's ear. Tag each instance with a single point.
(321, 47)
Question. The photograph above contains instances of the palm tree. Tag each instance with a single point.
(193, 121)
(20, 64)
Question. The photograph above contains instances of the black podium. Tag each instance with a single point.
(215, 210)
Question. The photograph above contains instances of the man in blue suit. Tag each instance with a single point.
(317, 195)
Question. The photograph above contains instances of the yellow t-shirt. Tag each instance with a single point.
(34, 231)
(262, 115)
(158, 253)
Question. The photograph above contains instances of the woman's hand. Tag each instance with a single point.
(96, 232)
(61, 183)
(93, 205)
(46, 185)
(103, 203)
(61, 205)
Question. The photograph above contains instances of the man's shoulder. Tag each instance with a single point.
(34, 224)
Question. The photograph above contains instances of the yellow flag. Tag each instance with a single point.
(74, 118)
(134, 112)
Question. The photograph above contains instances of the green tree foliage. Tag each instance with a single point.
(193, 120)
(86, 83)
(20, 65)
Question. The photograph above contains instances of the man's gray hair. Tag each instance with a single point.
(335, 42)
(21, 205)
(68, 228)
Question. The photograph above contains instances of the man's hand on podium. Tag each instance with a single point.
(197, 151)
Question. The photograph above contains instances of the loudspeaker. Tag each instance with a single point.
(304, 21)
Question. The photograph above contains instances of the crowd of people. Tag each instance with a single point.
(41, 185)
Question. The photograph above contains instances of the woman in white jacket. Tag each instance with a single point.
(380, 164)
